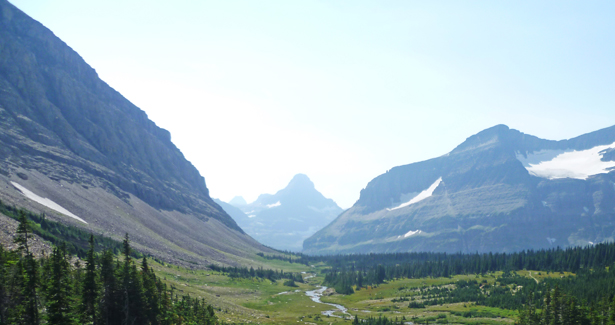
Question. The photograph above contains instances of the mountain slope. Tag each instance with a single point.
(500, 190)
(283, 220)
(67, 136)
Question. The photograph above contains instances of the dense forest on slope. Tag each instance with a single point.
(107, 290)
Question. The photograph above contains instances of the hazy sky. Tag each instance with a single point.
(254, 92)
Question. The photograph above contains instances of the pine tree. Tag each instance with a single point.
(89, 292)
(108, 307)
(556, 307)
(30, 302)
(59, 293)
(4, 299)
(150, 293)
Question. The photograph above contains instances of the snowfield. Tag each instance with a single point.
(45, 201)
(553, 164)
(421, 196)
(277, 204)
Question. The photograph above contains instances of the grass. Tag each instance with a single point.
(264, 302)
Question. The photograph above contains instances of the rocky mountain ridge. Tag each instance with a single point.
(500, 190)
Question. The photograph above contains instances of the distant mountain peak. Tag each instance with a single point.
(238, 201)
(284, 219)
(300, 181)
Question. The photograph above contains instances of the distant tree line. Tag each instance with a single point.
(244, 272)
(380, 320)
(50, 290)
(373, 269)
(289, 257)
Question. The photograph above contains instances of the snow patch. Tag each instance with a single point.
(412, 233)
(551, 240)
(553, 164)
(277, 204)
(252, 216)
(45, 201)
(421, 196)
(591, 243)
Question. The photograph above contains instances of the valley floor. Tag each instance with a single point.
(265, 302)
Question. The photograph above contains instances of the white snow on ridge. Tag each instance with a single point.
(277, 204)
(410, 233)
(553, 164)
(252, 216)
(45, 201)
(421, 196)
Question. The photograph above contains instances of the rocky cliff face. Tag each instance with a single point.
(284, 219)
(500, 190)
(60, 123)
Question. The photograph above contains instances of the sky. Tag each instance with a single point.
(254, 92)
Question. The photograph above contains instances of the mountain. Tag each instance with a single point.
(233, 211)
(73, 147)
(501, 190)
(283, 220)
(238, 201)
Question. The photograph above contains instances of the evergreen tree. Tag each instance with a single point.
(4, 290)
(108, 306)
(29, 268)
(89, 292)
(59, 291)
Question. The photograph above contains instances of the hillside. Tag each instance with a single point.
(500, 190)
(73, 147)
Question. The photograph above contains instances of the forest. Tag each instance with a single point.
(110, 283)
(57, 289)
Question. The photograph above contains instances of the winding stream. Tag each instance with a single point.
(315, 296)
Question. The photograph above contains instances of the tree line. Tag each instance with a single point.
(106, 290)
(373, 269)
(245, 273)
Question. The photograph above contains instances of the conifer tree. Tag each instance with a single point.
(29, 306)
(150, 292)
(108, 307)
(4, 299)
(89, 292)
(59, 293)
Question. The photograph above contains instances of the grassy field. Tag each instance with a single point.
(266, 302)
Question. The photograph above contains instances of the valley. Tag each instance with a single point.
(264, 302)
(103, 219)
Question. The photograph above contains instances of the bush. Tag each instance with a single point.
(290, 283)
(415, 304)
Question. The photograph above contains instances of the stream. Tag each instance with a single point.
(315, 296)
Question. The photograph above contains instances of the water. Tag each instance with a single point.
(315, 296)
